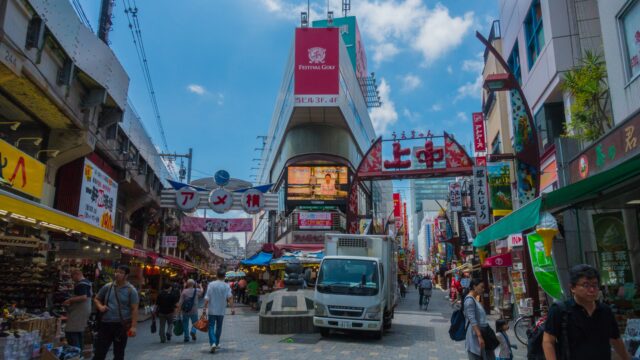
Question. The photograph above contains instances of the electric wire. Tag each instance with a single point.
(80, 11)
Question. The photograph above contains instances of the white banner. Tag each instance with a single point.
(169, 242)
(98, 197)
(481, 198)
(455, 197)
(469, 224)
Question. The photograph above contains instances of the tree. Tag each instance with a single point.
(587, 83)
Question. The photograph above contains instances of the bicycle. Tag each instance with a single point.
(425, 298)
(524, 324)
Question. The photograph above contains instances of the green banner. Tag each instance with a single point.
(544, 268)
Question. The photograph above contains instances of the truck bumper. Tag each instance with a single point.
(347, 324)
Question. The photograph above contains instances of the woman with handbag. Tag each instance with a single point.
(479, 342)
(188, 305)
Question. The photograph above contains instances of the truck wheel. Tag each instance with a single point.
(378, 334)
(324, 332)
(386, 323)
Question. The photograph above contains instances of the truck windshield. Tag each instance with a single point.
(348, 276)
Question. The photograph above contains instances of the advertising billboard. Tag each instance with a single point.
(98, 196)
(20, 171)
(328, 183)
(314, 220)
(317, 67)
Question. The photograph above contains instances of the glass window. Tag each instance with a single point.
(514, 63)
(496, 145)
(630, 23)
(534, 32)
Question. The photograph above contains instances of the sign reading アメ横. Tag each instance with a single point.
(98, 196)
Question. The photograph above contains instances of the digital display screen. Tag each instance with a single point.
(326, 183)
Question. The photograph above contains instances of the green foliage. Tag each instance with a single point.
(587, 83)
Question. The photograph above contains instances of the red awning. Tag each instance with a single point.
(502, 260)
(162, 261)
(134, 252)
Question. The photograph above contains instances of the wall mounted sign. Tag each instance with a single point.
(455, 196)
(252, 201)
(499, 179)
(479, 139)
(98, 197)
(187, 199)
(169, 241)
(317, 66)
(20, 171)
(315, 220)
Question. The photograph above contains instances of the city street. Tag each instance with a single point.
(414, 333)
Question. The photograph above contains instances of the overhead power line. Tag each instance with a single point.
(83, 17)
(131, 11)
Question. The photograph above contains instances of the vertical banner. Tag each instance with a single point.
(611, 239)
(481, 200)
(544, 268)
(455, 196)
(316, 72)
(479, 139)
(98, 196)
(469, 224)
(499, 179)
(397, 211)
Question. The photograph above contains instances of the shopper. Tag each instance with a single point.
(117, 301)
(589, 325)
(504, 349)
(241, 294)
(216, 299)
(252, 292)
(188, 305)
(79, 309)
(166, 310)
(476, 319)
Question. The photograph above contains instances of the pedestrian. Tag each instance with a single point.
(78, 309)
(504, 349)
(117, 301)
(253, 288)
(216, 299)
(242, 287)
(425, 287)
(402, 287)
(189, 306)
(581, 327)
(416, 280)
(477, 318)
(166, 308)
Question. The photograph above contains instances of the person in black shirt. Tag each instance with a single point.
(589, 325)
(167, 306)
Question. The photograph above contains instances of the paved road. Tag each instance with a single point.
(415, 334)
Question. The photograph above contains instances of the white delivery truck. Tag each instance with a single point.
(356, 284)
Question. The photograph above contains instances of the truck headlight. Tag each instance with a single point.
(320, 309)
(373, 313)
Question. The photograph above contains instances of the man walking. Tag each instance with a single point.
(217, 297)
(425, 290)
(79, 309)
(582, 328)
(166, 309)
(117, 301)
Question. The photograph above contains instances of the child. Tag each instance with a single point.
(503, 352)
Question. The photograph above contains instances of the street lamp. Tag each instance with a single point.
(36, 140)
(14, 124)
(500, 82)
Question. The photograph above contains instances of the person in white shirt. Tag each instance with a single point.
(216, 299)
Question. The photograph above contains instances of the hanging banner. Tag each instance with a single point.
(611, 238)
(169, 242)
(455, 196)
(315, 220)
(198, 224)
(20, 171)
(479, 139)
(499, 179)
(98, 196)
(481, 199)
(365, 224)
(502, 260)
(544, 268)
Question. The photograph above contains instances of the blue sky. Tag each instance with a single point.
(217, 67)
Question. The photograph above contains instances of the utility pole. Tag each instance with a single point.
(188, 156)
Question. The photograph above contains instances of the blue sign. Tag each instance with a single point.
(221, 177)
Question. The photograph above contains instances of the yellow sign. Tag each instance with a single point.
(20, 171)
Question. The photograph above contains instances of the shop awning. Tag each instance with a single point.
(463, 267)
(528, 216)
(259, 259)
(56, 220)
(502, 260)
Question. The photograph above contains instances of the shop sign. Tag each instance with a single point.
(365, 224)
(499, 179)
(199, 224)
(317, 67)
(220, 200)
(252, 201)
(481, 200)
(308, 238)
(20, 241)
(515, 240)
(187, 198)
(617, 146)
(631, 28)
(98, 196)
(479, 139)
(502, 260)
(133, 252)
(169, 241)
(314, 220)
(455, 196)
(611, 239)
(481, 161)
(544, 268)
(429, 155)
(20, 171)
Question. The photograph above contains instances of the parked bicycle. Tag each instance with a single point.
(525, 323)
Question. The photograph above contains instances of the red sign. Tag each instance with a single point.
(317, 62)
(451, 153)
(479, 140)
(396, 205)
(481, 161)
(314, 220)
(502, 260)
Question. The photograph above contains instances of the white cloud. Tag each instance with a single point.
(384, 52)
(474, 66)
(410, 115)
(197, 89)
(290, 9)
(441, 33)
(450, 69)
(386, 115)
(272, 5)
(462, 117)
(436, 107)
(471, 89)
(410, 82)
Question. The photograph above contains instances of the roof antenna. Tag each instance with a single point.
(346, 6)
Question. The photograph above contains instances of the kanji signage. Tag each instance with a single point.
(317, 67)
(481, 200)
(220, 200)
(198, 224)
(455, 196)
(20, 171)
(314, 220)
(98, 196)
(479, 139)
(252, 201)
(169, 241)
(187, 198)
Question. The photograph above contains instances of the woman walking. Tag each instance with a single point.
(476, 319)
(189, 307)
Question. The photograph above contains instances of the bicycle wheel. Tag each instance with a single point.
(426, 304)
(520, 328)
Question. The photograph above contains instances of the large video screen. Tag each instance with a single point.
(326, 183)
